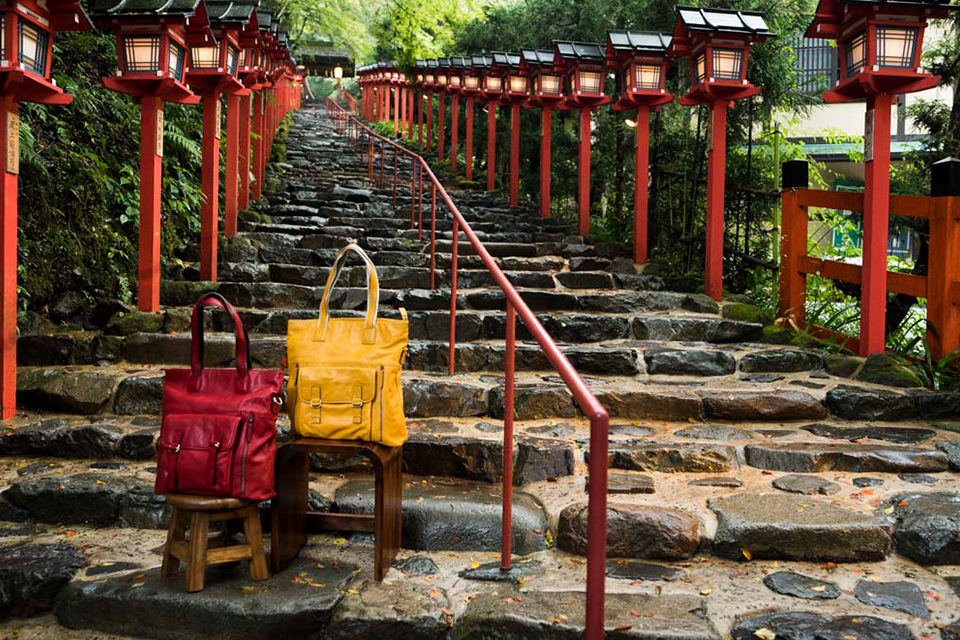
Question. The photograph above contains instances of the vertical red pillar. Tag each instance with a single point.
(210, 185)
(231, 178)
(411, 112)
(514, 154)
(257, 153)
(876, 225)
(420, 99)
(396, 110)
(441, 115)
(403, 111)
(468, 143)
(454, 131)
(583, 193)
(716, 175)
(429, 121)
(546, 126)
(244, 168)
(10, 129)
(151, 176)
(491, 145)
(641, 178)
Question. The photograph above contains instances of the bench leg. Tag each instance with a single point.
(197, 564)
(254, 538)
(175, 533)
(389, 485)
(288, 511)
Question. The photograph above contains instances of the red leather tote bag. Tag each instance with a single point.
(218, 436)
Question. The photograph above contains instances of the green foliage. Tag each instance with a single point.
(79, 180)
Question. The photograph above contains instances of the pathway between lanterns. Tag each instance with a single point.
(747, 477)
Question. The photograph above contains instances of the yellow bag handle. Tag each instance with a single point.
(373, 294)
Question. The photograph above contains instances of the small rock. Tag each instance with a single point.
(111, 465)
(811, 626)
(68, 307)
(884, 369)
(646, 571)
(713, 432)
(897, 596)
(417, 566)
(917, 478)
(927, 526)
(780, 361)
(725, 482)
(900, 435)
(864, 481)
(798, 585)
(806, 485)
(630, 430)
(633, 531)
(110, 567)
(553, 430)
(38, 467)
(624, 482)
(762, 378)
(32, 575)
(952, 451)
(492, 572)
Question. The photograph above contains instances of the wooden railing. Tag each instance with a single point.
(940, 286)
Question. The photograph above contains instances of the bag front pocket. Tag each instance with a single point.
(338, 401)
(197, 451)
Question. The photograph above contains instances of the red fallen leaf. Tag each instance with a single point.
(934, 595)
(902, 503)
(866, 492)
(635, 614)
(69, 533)
(623, 627)
(446, 612)
(829, 566)
(766, 473)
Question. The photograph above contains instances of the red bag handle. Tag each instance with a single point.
(214, 299)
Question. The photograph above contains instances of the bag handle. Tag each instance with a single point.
(373, 294)
(214, 299)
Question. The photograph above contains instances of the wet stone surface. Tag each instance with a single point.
(622, 482)
(807, 485)
(493, 572)
(416, 566)
(789, 583)
(647, 571)
(396, 611)
(811, 626)
(898, 596)
(633, 531)
(899, 435)
(713, 432)
(926, 526)
(32, 575)
(866, 481)
(720, 481)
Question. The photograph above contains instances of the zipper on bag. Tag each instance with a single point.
(243, 464)
(216, 456)
(383, 377)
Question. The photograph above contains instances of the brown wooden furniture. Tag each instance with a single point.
(291, 517)
(202, 550)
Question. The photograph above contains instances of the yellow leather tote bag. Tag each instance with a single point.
(345, 372)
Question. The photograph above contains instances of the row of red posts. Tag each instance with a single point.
(186, 51)
(879, 47)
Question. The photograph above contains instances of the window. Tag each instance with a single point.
(493, 83)
(727, 64)
(204, 57)
(175, 61)
(591, 82)
(855, 50)
(550, 85)
(646, 76)
(141, 53)
(471, 82)
(33, 47)
(518, 84)
(896, 46)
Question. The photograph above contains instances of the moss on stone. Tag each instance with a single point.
(746, 313)
(125, 324)
(841, 366)
(881, 368)
(773, 334)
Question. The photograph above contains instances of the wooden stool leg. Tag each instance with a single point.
(254, 536)
(288, 512)
(197, 564)
(387, 514)
(175, 533)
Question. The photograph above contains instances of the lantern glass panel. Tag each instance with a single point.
(442, 80)
(231, 59)
(175, 61)
(518, 84)
(32, 52)
(141, 53)
(727, 64)
(338, 72)
(3, 36)
(419, 77)
(896, 46)
(855, 52)
(430, 79)
(493, 83)
(591, 82)
(700, 64)
(646, 76)
(471, 82)
(454, 81)
(550, 85)
(204, 57)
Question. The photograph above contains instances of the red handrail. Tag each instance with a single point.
(599, 418)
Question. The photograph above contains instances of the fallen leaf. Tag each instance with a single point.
(706, 592)
(764, 634)
(746, 554)
(340, 542)
(623, 627)
(69, 533)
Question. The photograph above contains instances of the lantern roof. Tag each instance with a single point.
(570, 54)
(724, 21)
(265, 19)
(505, 61)
(459, 62)
(830, 13)
(432, 63)
(193, 13)
(231, 12)
(481, 62)
(443, 63)
(68, 15)
(623, 45)
(420, 64)
(530, 58)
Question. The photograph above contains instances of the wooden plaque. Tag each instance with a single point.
(160, 132)
(218, 119)
(13, 143)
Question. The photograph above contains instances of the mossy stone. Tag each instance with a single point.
(745, 313)
(881, 368)
(125, 324)
(772, 334)
(841, 366)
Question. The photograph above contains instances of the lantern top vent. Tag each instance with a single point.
(481, 62)
(725, 21)
(535, 58)
(637, 41)
(505, 61)
(568, 55)
(459, 62)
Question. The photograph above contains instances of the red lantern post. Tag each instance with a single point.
(639, 59)
(879, 45)
(717, 41)
(546, 92)
(458, 66)
(28, 29)
(443, 70)
(152, 44)
(212, 72)
(250, 73)
(515, 92)
(261, 150)
(492, 85)
(582, 64)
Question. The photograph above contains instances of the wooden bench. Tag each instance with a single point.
(291, 517)
(202, 550)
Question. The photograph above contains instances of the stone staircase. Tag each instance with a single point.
(746, 474)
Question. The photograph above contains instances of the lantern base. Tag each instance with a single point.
(540, 102)
(27, 87)
(707, 92)
(585, 102)
(209, 81)
(631, 102)
(885, 81)
(167, 89)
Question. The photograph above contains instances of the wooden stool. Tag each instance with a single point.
(201, 550)
(290, 516)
